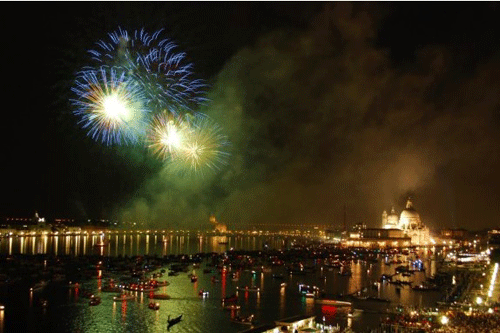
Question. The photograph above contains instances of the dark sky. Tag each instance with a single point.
(326, 105)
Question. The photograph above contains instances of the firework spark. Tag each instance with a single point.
(109, 105)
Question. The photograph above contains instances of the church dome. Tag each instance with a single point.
(409, 217)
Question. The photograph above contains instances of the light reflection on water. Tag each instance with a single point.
(138, 244)
(68, 312)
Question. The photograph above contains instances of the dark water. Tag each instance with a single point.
(69, 312)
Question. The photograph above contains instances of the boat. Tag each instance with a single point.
(109, 289)
(162, 283)
(422, 287)
(94, 300)
(247, 288)
(278, 276)
(232, 307)
(173, 321)
(154, 306)
(39, 286)
(44, 303)
(203, 293)
(331, 301)
(194, 278)
(377, 299)
(232, 298)
(159, 296)
(248, 320)
(123, 297)
(354, 313)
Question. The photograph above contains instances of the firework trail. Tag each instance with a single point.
(110, 105)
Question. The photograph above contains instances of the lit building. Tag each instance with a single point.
(409, 222)
(219, 227)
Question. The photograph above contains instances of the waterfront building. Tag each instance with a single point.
(218, 227)
(401, 230)
(409, 222)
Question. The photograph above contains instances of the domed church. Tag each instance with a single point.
(408, 221)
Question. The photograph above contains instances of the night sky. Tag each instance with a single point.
(326, 105)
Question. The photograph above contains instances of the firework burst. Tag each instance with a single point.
(167, 135)
(165, 75)
(109, 105)
(205, 148)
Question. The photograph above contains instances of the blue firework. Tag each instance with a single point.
(165, 75)
(110, 105)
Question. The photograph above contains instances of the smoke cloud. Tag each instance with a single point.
(320, 118)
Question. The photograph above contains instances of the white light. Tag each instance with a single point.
(115, 109)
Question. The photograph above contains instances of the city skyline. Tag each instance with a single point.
(329, 108)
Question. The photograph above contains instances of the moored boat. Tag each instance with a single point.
(154, 306)
(247, 288)
(248, 320)
(331, 301)
(228, 299)
(123, 297)
(94, 300)
(232, 307)
(159, 296)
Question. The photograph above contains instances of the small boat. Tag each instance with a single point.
(330, 301)
(377, 299)
(214, 279)
(173, 321)
(422, 287)
(203, 293)
(154, 306)
(39, 286)
(194, 278)
(94, 300)
(354, 313)
(278, 276)
(228, 299)
(123, 297)
(162, 283)
(73, 285)
(159, 296)
(248, 320)
(44, 303)
(109, 289)
(247, 288)
(232, 307)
